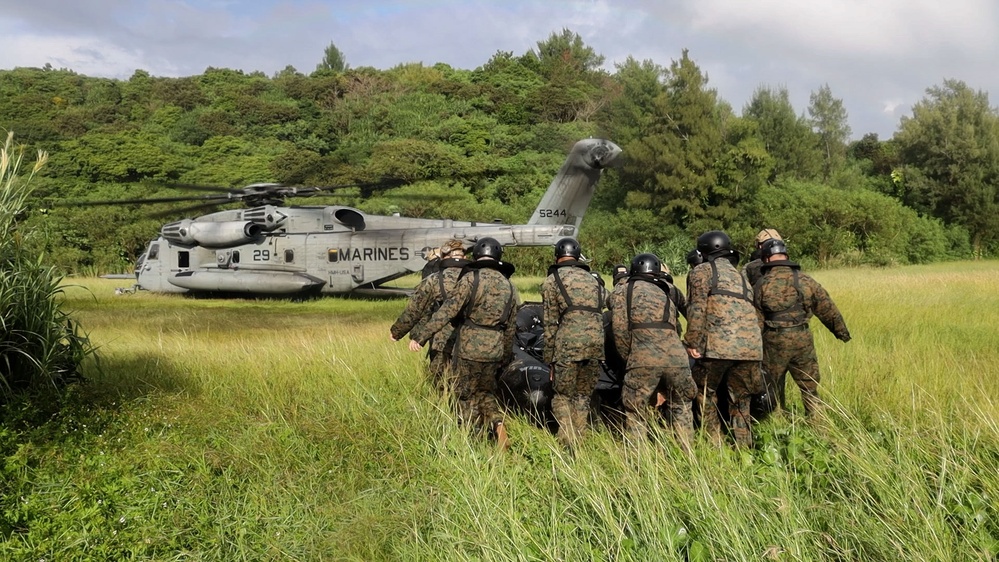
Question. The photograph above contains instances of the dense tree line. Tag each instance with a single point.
(483, 144)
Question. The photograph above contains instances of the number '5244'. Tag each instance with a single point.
(551, 212)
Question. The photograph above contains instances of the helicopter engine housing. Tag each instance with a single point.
(211, 234)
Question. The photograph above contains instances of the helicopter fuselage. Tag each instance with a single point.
(287, 250)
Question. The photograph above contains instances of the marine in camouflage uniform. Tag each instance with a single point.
(426, 299)
(723, 335)
(752, 269)
(483, 307)
(573, 304)
(644, 320)
(788, 299)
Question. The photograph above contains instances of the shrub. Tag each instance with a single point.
(39, 344)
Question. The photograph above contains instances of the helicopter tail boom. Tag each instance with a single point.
(567, 198)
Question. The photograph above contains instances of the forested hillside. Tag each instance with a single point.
(483, 144)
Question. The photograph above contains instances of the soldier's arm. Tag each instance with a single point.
(416, 308)
(447, 312)
(698, 283)
(681, 302)
(825, 309)
(550, 308)
(511, 319)
(619, 326)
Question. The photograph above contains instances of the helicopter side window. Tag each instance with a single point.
(154, 252)
(235, 256)
(289, 256)
(333, 256)
(183, 259)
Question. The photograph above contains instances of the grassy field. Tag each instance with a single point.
(269, 430)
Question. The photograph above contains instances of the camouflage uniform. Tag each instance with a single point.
(428, 296)
(574, 344)
(752, 270)
(788, 299)
(485, 314)
(724, 327)
(644, 319)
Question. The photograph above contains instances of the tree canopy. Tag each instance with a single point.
(494, 136)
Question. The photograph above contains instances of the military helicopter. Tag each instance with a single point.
(270, 249)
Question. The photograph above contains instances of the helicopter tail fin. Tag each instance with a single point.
(569, 195)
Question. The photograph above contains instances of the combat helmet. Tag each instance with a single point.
(773, 247)
(567, 248)
(645, 263)
(694, 258)
(453, 246)
(487, 248)
(766, 234)
(714, 243)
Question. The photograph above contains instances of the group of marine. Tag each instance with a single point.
(746, 329)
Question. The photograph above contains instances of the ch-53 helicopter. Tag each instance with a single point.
(274, 250)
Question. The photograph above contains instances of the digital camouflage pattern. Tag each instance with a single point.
(742, 379)
(576, 334)
(426, 298)
(573, 402)
(484, 340)
(484, 333)
(647, 338)
(652, 346)
(574, 344)
(476, 391)
(788, 345)
(722, 326)
(752, 271)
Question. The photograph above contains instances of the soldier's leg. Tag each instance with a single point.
(572, 402)
(680, 393)
(486, 398)
(744, 380)
(638, 400)
(774, 369)
(438, 362)
(707, 375)
(587, 373)
(804, 368)
(464, 391)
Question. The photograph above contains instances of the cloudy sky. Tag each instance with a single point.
(878, 56)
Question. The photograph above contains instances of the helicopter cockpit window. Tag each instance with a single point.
(183, 259)
(289, 256)
(333, 256)
(154, 252)
(235, 256)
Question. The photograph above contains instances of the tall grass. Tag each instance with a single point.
(268, 430)
(39, 344)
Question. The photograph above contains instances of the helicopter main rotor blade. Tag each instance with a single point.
(220, 198)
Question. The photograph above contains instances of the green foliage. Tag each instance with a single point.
(950, 147)
(202, 439)
(333, 60)
(852, 227)
(40, 345)
(787, 136)
(829, 121)
(497, 134)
